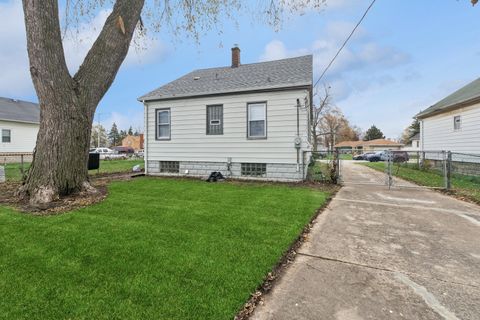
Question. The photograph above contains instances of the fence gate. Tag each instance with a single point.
(393, 168)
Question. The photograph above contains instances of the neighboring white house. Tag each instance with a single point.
(246, 121)
(19, 124)
(413, 144)
(453, 124)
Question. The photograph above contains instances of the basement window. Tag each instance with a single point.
(169, 167)
(254, 169)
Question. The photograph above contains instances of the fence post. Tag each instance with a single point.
(423, 160)
(418, 160)
(449, 170)
(303, 166)
(21, 167)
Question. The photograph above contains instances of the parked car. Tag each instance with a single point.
(124, 150)
(140, 153)
(362, 156)
(108, 154)
(398, 156)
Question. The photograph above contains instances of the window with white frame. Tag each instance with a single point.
(215, 119)
(163, 126)
(257, 120)
(6, 135)
(457, 123)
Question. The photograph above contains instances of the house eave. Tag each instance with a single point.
(19, 121)
(452, 107)
(217, 94)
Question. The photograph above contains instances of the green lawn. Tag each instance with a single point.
(466, 186)
(154, 249)
(13, 172)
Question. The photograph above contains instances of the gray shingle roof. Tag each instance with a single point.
(18, 110)
(277, 74)
(469, 93)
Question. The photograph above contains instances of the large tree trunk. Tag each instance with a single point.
(67, 104)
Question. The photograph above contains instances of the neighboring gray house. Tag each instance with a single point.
(453, 124)
(19, 124)
(246, 121)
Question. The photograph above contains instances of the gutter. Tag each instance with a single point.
(452, 107)
(20, 121)
(299, 87)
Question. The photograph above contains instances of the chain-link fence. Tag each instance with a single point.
(14, 166)
(321, 166)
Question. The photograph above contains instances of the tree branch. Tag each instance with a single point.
(102, 62)
(44, 44)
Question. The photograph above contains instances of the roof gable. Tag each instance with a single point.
(18, 110)
(270, 75)
(468, 94)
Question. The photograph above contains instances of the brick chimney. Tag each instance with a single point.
(235, 56)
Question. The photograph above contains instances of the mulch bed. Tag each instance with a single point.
(64, 204)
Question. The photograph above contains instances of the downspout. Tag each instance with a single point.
(145, 138)
(297, 146)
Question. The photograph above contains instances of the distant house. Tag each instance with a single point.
(19, 124)
(135, 142)
(368, 146)
(453, 124)
(244, 120)
(413, 143)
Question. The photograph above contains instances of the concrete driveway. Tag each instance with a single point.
(384, 254)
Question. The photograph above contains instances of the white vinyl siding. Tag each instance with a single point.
(189, 141)
(439, 133)
(23, 136)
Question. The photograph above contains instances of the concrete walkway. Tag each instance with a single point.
(384, 254)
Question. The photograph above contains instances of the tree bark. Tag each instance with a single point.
(68, 104)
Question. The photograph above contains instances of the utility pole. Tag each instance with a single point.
(98, 131)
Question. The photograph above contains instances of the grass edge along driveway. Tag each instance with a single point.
(464, 186)
(154, 249)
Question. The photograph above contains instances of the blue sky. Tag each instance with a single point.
(405, 56)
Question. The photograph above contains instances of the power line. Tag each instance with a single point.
(344, 43)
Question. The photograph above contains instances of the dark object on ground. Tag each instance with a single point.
(215, 176)
(93, 161)
(124, 150)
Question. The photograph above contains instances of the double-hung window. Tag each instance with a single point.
(215, 119)
(457, 123)
(163, 124)
(6, 135)
(257, 120)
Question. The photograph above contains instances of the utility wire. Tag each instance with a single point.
(344, 44)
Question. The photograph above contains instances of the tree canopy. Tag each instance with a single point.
(373, 133)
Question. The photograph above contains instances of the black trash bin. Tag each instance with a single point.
(93, 161)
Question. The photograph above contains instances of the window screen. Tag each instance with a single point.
(163, 124)
(457, 123)
(257, 120)
(215, 119)
(6, 135)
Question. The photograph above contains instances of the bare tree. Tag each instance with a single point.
(68, 103)
(319, 111)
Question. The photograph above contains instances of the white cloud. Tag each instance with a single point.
(14, 75)
(15, 78)
(361, 64)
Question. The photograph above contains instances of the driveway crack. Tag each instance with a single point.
(382, 269)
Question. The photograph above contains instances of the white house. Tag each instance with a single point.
(453, 124)
(19, 124)
(245, 120)
(413, 144)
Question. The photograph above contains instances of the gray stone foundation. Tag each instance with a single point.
(275, 171)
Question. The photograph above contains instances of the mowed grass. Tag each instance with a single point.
(13, 170)
(154, 249)
(466, 186)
